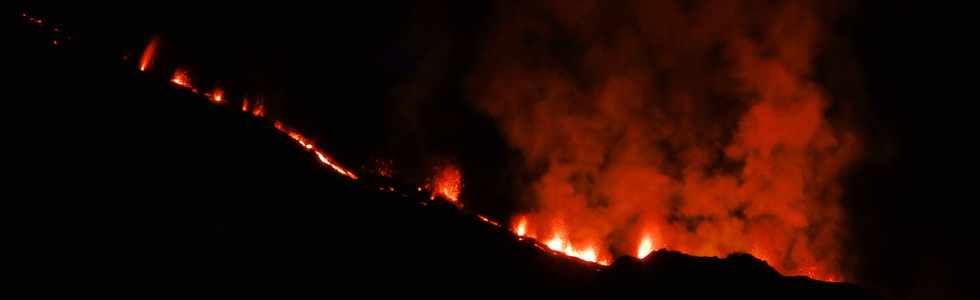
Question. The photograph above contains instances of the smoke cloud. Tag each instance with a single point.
(698, 123)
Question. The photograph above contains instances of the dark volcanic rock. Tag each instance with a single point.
(676, 274)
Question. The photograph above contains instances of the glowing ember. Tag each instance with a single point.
(589, 253)
(245, 105)
(148, 54)
(487, 220)
(521, 227)
(181, 78)
(217, 96)
(259, 108)
(646, 246)
(383, 168)
(448, 183)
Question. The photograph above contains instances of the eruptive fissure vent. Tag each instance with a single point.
(634, 160)
(181, 78)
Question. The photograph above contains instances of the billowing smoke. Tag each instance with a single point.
(698, 123)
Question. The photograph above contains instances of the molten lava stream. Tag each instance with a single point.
(308, 145)
(148, 54)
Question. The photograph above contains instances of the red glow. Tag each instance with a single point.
(588, 253)
(148, 54)
(326, 160)
(383, 168)
(181, 78)
(448, 183)
(217, 96)
(521, 227)
(622, 153)
(488, 221)
(646, 246)
(308, 145)
(258, 109)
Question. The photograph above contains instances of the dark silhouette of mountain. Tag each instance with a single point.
(124, 183)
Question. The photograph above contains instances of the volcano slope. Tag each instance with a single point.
(125, 183)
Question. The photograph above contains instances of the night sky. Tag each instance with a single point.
(395, 81)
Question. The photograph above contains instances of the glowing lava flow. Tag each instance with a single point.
(448, 183)
(148, 54)
(521, 228)
(258, 110)
(308, 145)
(182, 79)
(559, 244)
(217, 96)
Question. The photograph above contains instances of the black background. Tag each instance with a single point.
(335, 70)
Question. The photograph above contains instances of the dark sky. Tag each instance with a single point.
(386, 80)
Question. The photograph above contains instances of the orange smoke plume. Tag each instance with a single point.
(696, 127)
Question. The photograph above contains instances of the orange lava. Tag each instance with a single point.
(588, 253)
(646, 246)
(521, 228)
(181, 78)
(217, 96)
(636, 190)
(488, 221)
(258, 109)
(308, 145)
(336, 167)
(448, 183)
(148, 54)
